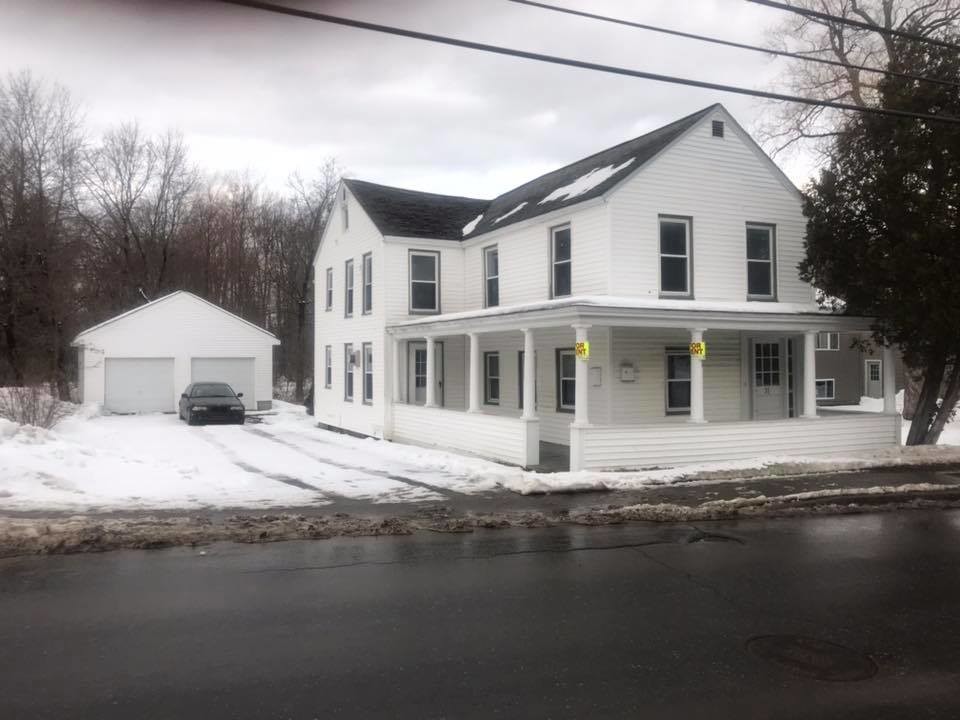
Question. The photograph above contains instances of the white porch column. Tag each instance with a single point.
(431, 398)
(696, 380)
(395, 369)
(581, 415)
(889, 381)
(810, 374)
(473, 382)
(529, 377)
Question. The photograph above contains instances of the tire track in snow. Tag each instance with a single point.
(444, 492)
(278, 477)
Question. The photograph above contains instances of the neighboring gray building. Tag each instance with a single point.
(846, 372)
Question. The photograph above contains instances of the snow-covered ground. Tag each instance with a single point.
(91, 462)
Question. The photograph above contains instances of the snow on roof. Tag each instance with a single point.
(518, 208)
(585, 183)
(469, 227)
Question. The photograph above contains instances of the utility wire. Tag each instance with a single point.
(856, 23)
(570, 62)
(733, 44)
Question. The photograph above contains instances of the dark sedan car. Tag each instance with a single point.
(209, 402)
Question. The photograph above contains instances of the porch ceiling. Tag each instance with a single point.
(635, 312)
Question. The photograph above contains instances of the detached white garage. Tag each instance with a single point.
(141, 361)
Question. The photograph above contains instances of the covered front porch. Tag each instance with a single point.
(623, 385)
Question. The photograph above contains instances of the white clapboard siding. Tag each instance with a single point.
(722, 184)
(492, 436)
(639, 446)
(397, 277)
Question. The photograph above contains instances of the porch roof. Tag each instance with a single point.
(635, 312)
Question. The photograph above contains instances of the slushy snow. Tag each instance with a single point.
(585, 183)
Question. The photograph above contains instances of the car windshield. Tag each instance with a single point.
(212, 390)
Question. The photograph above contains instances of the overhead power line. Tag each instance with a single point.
(856, 23)
(733, 44)
(570, 62)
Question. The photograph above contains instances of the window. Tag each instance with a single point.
(367, 283)
(761, 265)
(329, 300)
(675, 256)
(344, 207)
(766, 365)
(348, 372)
(718, 128)
(566, 380)
(678, 382)
(560, 256)
(825, 389)
(491, 378)
(828, 341)
(520, 361)
(491, 276)
(348, 289)
(328, 366)
(368, 373)
(424, 281)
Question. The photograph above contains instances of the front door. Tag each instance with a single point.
(769, 380)
(873, 375)
(417, 373)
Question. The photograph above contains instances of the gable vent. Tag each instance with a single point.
(718, 128)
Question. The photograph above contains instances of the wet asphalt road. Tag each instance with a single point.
(622, 622)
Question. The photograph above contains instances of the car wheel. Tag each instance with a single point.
(241, 421)
(191, 420)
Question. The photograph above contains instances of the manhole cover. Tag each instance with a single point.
(809, 657)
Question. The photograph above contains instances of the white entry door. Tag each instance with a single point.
(417, 373)
(873, 379)
(238, 373)
(769, 379)
(138, 385)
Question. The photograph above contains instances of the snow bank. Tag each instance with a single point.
(585, 183)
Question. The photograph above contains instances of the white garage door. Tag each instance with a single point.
(236, 372)
(138, 385)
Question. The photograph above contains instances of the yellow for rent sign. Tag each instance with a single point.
(698, 350)
(583, 350)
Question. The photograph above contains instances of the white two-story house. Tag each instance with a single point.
(640, 307)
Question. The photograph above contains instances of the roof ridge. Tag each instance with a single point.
(417, 192)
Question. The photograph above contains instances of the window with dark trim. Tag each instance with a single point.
(566, 380)
(561, 261)
(367, 373)
(761, 263)
(491, 378)
(367, 265)
(328, 366)
(675, 276)
(678, 381)
(826, 389)
(328, 304)
(520, 360)
(717, 128)
(424, 281)
(348, 372)
(828, 341)
(491, 276)
(348, 289)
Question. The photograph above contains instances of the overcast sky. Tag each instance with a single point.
(273, 94)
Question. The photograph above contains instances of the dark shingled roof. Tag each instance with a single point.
(409, 213)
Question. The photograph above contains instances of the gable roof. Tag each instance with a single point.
(409, 213)
(166, 298)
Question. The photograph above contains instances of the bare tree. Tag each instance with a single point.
(815, 37)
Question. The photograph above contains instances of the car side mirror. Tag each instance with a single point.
(183, 395)
(239, 394)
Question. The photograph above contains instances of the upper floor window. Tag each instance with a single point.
(348, 289)
(424, 281)
(367, 283)
(344, 207)
(561, 261)
(368, 373)
(761, 263)
(566, 380)
(491, 276)
(828, 341)
(328, 302)
(328, 366)
(678, 382)
(675, 256)
(491, 378)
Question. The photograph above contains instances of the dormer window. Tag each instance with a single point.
(344, 207)
(718, 128)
